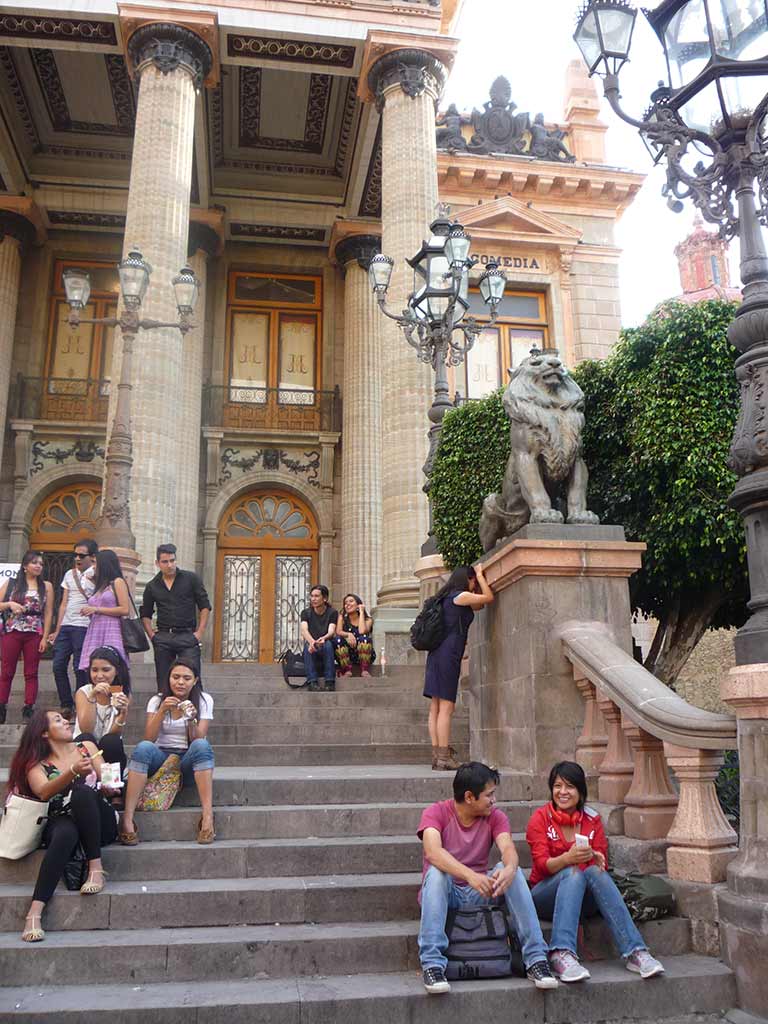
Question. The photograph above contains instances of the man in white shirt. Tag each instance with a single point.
(76, 588)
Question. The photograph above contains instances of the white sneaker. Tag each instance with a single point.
(566, 967)
(641, 962)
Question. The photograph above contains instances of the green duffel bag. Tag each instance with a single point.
(647, 897)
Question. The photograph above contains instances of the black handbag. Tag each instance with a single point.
(293, 666)
(135, 639)
(76, 869)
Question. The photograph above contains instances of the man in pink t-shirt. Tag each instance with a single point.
(457, 836)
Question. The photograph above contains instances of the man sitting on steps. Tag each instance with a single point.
(457, 836)
(318, 625)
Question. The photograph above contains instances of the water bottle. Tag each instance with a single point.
(383, 662)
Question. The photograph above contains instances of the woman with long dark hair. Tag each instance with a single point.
(46, 766)
(177, 723)
(27, 610)
(102, 704)
(109, 602)
(353, 640)
(464, 593)
(570, 854)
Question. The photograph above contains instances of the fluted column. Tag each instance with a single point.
(406, 84)
(171, 62)
(361, 451)
(14, 232)
(203, 243)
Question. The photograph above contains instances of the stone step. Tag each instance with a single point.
(230, 755)
(144, 956)
(256, 733)
(332, 899)
(694, 989)
(252, 858)
(326, 784)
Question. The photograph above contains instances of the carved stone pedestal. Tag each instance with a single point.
(743, 905)
(526, 712)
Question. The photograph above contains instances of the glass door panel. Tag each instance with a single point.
(297, 337)
(249, 358)
(483, 364)
(240, 612)
(292, 582)
(522, 340)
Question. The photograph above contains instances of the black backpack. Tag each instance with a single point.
(482, 944)
(428, 630)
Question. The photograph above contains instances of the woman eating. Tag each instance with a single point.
(569, 852)
(102, 704)
(48, 767)
(177, 723)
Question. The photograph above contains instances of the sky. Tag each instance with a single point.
(530, 42)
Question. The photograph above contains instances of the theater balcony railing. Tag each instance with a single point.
(293, 410)
(57, 421)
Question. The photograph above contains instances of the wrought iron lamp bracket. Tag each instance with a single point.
(129, 322)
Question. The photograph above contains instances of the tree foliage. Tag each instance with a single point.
(660, 413)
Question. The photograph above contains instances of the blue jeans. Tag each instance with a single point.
(147, 758)
(440, 893)
(69, 644)
(561, 898)
(323, 654)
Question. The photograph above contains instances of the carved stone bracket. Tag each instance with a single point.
(170, 47)
(412, 69)
(357, 247)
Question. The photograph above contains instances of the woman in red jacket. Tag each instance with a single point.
(570, 854)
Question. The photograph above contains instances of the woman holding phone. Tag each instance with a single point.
(47, 766)
(102, 704)
(569, 853)
(177, 723)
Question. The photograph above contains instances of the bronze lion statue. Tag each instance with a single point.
(545, 406)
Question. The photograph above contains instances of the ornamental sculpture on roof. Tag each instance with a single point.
(498, 129)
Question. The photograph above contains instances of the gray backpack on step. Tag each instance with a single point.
(481, 944)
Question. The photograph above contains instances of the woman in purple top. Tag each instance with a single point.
(109, 602)
(465, 593)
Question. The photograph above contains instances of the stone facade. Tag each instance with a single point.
(258, 161)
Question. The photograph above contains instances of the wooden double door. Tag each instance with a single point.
(267, 561)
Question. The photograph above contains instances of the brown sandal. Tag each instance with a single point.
(205, 835)
(129, 838)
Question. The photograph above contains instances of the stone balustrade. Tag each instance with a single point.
(635, 729)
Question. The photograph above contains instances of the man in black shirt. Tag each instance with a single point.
(318, 624)
(178, 595)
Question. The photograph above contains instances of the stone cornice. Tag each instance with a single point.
(589, 185)
(433, 55)
(188, 38)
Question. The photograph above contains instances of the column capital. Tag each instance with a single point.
(414, 70)
(170, 46)
(361, 248)
(17, 227)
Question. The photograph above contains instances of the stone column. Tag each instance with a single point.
(171, 62)
(406, 84)
(361, 451)
(14, 232)
(203, 242)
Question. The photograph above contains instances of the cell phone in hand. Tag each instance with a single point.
(582, 842)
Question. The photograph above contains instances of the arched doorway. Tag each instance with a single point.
(64, 517)
(267, 558)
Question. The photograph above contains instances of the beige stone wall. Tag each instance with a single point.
(596, 307)
(712, 658)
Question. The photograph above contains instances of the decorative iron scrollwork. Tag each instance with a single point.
(83, 451)
(271, 459)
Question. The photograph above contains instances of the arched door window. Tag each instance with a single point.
(267, 559)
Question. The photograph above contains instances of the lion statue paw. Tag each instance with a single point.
(546, 515)
(585, 518)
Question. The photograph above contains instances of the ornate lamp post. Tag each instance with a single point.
(435, 321)
(708, 121)
(114, 529)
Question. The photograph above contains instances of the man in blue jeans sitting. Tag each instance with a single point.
(318, 624)
(457, 836)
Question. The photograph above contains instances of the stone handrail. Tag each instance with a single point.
(635, 730)
(649, 703)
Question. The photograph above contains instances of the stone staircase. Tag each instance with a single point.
(304, 909)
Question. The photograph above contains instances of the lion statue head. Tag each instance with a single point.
(544, 400)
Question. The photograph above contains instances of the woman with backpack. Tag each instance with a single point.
(465, 592)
